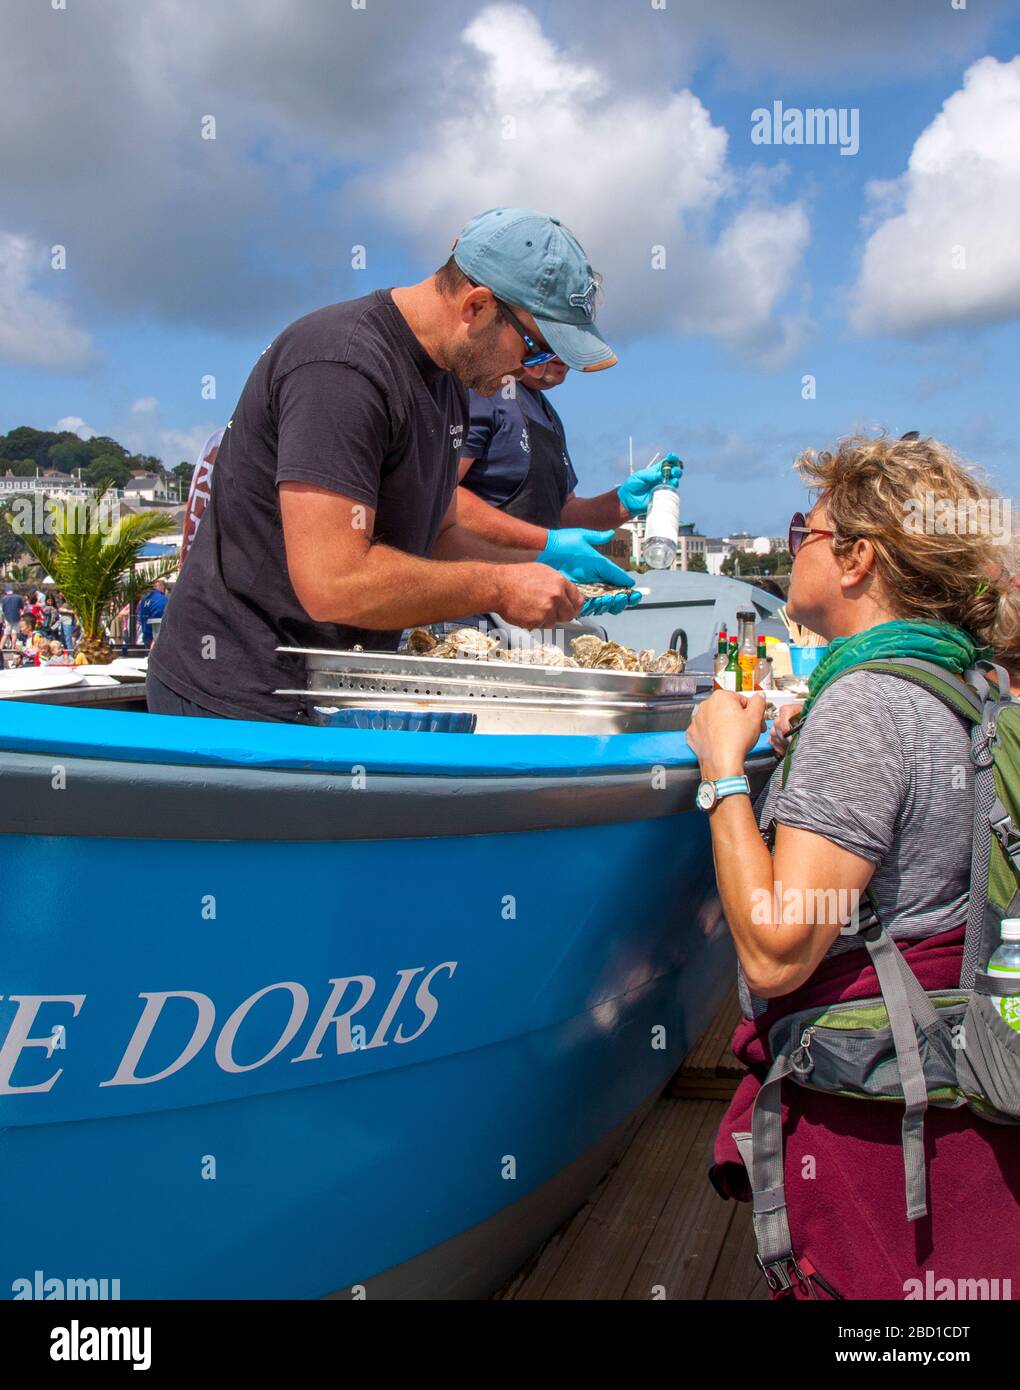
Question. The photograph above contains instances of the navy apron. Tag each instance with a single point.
(546, 485)
(539, 498)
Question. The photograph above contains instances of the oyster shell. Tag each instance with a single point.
(586, 648)
(421, 642)
(601, 590)
(466, 642)
(669, 663)
(539, 655)
(612, 657)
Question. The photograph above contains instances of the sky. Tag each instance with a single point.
(210, 170)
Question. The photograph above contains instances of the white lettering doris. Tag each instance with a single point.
(357, 1014)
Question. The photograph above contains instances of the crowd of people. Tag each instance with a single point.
(37, 628)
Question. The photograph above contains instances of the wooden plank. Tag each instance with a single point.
(736, 1276)
(713, 1045)
(682, 1253)
(702, 1088)
(531, 1282)
(602, 1259)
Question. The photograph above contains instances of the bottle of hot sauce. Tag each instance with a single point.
(748, 650)
(762, 670)
(719, 665)
(730, 678)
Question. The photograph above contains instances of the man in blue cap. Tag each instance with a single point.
(332, 520)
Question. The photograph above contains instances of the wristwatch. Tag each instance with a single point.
(710, 792)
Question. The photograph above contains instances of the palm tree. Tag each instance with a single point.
(93, 564)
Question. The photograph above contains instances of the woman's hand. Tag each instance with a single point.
(724, 729)
(780, 735)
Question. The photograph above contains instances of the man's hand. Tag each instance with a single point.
(536, 596)
(571, 550)
(636, 492)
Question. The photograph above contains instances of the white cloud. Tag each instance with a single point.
(146, 405)
(75, 425)
(34, 331)
(945, 252)
(534, 127)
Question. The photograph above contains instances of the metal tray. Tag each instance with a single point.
(379, 673)
(535, 716)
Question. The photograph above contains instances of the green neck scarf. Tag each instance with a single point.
(947, 646)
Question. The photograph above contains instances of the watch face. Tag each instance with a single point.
(706, 796)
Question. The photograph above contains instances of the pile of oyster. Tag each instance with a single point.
(588, 651)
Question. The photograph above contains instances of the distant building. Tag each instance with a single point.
(755, 545)
(716, 551)
(146, 487)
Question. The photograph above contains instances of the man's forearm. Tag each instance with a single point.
(495, 526)
(390, 590)
(595, 513)
(458, 542)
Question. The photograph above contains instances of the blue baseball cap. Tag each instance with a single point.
(534, 262)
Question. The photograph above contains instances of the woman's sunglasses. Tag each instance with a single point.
(799, 532)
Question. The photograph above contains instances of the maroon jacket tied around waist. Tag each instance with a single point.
(844, 1162)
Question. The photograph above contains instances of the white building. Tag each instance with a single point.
(145, 487)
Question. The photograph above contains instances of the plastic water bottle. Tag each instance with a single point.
(662, 523)
(1005, 964)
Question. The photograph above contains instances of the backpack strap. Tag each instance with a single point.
(761, 1150)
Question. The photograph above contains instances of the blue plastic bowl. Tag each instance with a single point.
(805, 659)
(406, 721)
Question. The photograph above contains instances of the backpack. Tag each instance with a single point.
(947, 1047)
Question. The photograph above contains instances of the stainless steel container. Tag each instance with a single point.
(504, 697)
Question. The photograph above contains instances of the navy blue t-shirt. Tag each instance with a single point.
(12, 605)
(498, 439)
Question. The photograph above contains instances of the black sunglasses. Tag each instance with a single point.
(535, 355)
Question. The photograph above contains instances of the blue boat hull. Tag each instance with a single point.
(290, 1065)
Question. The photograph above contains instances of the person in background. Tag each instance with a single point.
(29, 640)
(870, 803)
(518, 484)
(50, 618)
(53, 654)
(11, 607)
(66, 621)
(151, 605)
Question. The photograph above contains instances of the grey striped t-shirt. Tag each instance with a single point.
(883, 770)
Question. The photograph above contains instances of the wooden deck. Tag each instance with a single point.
(655, 1227)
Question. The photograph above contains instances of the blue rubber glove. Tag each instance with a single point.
(610, 603)
(571, 550)
(636, 492)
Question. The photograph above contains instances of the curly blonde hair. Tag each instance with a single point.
(944, 541)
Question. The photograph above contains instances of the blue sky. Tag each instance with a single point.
(386, 128)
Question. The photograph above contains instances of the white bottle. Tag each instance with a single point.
(1005, 964)
(662, 525)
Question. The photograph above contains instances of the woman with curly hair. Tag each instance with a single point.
(878, 800)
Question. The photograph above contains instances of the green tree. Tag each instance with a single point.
(183, 472)
(107, 470)
(93, 565)
(697, 564)
(21, 468)
(70, 454)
